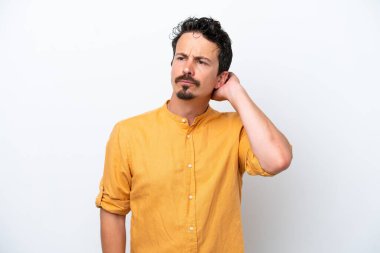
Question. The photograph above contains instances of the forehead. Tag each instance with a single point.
(193, 43)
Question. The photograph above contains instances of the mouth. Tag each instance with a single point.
(187, 82)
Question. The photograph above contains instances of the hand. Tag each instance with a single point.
(228, 90)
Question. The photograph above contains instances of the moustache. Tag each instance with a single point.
(187, 78)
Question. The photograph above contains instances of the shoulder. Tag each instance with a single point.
(228, 118)
(135, 124)
(136, 120)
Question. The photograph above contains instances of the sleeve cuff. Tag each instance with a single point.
(253, 166)
(111, 205)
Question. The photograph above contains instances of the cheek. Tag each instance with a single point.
(208, 85)
(211, 82)
(175, 71)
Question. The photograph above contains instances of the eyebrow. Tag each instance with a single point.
(195, 57)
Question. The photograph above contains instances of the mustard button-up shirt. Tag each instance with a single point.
(182, 183)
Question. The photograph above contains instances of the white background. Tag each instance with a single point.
(69, 70)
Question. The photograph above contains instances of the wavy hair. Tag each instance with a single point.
(212, 31)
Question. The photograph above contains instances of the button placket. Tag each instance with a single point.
(189, 161)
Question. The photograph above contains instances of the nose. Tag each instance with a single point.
(188, 68)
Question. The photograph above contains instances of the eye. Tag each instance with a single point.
(180, 58)
(201, 62)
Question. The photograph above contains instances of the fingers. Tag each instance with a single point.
(231, 75)
(228, 77)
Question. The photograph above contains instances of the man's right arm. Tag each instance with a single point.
(112, 232)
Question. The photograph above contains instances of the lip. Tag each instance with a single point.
(185, 81)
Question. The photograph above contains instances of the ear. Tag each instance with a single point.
(222, 79)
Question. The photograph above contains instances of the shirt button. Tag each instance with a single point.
(183, 120)
(191, 228)
(188, 136)
(190, 196)
(189, 165)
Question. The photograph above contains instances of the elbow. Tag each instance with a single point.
(285, 162)
(281, 162)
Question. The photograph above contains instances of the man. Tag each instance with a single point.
(179, 168)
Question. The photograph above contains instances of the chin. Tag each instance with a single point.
(185, 95)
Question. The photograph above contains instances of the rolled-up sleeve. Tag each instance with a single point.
(247, 160)
(115, 185)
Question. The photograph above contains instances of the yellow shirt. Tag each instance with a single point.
(182, 183)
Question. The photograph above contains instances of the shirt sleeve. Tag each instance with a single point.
(247, 160)
(115, 185)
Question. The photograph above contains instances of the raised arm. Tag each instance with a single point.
(270, 146)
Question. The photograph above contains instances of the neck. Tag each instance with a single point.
(188, 109)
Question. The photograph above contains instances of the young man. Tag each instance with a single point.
(179, 168)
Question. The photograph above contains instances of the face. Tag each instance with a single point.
(195, 67)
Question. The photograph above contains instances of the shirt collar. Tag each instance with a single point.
(181, 120)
